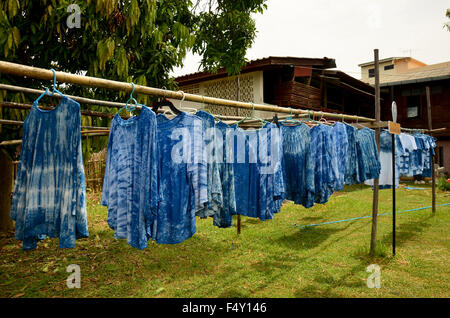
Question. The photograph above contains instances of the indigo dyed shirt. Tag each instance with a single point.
(130, 186)
(215, 195)
(182, 176)
(50, 193)
(368, 157)
(324, 156)
(298, 164)
(258, 176)
(341, 143)
(223, 217)
(351, 175)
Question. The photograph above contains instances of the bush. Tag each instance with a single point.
(444, 184)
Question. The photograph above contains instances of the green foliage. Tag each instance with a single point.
(443, 184)
(138, 41)
(447, 25)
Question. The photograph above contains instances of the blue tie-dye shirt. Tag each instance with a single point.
(298, 165)
(351, 175)
(215, 195)
(341, 142)
(50, 192)
(368, 158)
(183, 179)
(130, 186)
(325, 159)
(259, 183)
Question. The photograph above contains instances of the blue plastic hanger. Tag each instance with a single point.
(290, 119)
(47, 92)
(131, 107)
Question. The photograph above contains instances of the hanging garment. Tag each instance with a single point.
(246, 179)
(298, 165)
(50, 193)
(368, 157)
(272, 187)
(215, 195)
(428, 153)
(385, 177)
(324, 156)
(130, 186)
(182, 175)
(341, 142)
(407, 164)
(258, 176)
(351, 175)
(223, 147)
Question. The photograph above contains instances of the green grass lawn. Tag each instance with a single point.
(268, 259)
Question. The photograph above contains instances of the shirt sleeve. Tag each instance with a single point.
(108, 167)
(154, 175)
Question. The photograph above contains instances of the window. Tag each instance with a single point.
(371, 72)
(389, 67)
(413, 107)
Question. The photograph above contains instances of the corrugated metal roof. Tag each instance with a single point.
(424, 73)
(261, 63)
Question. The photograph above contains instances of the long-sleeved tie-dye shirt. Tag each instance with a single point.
(340, 139)
(50, 193)
(259, 183)
(183, 178)
(215, 195)
(130, 186)
(298, 165)
(368, 157)
(325, 159)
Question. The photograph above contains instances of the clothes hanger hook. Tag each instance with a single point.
(182, 99)
(132, 91)
(54, 82)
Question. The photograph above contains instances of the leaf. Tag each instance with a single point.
(159, 290)
(16, 36)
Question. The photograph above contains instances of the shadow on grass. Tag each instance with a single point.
(328, 282)
(407, 231)
(307, 238)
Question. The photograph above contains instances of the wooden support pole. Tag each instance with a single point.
(373, 237)
(433, 171)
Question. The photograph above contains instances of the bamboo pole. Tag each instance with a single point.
(62, 77)
(373, 237)
(90, 113)
(433, 171)
(81, 100)
(20, 123)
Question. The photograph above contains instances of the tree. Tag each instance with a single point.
(448, 16)
(138, 41)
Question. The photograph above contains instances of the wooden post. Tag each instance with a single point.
(373, 237)
(433, 171)
(6, 187)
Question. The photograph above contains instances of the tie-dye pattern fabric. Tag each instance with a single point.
(341, 141)
(324, 155)
(183, 178)
(298, 165)
(351, 166)
(130, 186)
(368, 157)
(50, 193)
(223, 218)
(258, 178)
(215, 195)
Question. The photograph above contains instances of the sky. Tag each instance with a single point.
(348, 31)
